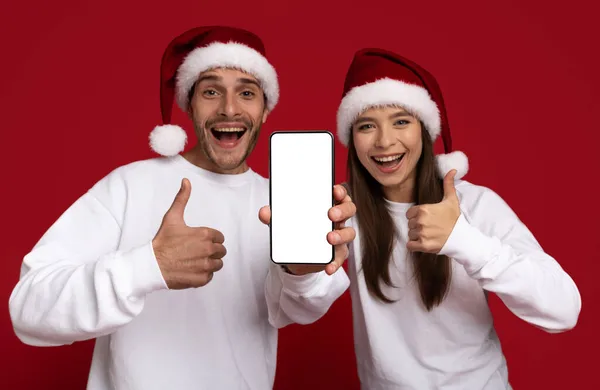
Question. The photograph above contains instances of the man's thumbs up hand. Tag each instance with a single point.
(430, 225)
(174, 215)
(187, 256)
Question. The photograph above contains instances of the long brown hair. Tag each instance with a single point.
(378, 231)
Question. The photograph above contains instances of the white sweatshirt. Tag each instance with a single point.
(94, 275)
(401, 346)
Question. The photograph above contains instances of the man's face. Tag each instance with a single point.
(228, 110)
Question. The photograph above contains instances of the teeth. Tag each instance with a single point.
(229, 129)
(388, 158)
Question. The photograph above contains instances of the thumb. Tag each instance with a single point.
(264, 214)
(449, 189)
(177, 209)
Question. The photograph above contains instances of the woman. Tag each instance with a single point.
(430, 246)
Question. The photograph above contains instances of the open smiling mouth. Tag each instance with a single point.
(228, 137)
(388, 163)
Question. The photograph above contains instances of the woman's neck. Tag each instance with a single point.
(403, 192)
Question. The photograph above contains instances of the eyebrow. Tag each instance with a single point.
(397, 114)
(208, 77)
(241, 80)
(245, 80)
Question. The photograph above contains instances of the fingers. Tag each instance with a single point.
(213, 265)
(414, 246)
(340, 194)
(205, 271)
(341, 254)
(421, 246)
(208, 234)
(342, 211)
(449, 189)
(414, 235)
(331, 268)
(418, 216)
(202, 279)
(413, 212)
(340, 239)
(344, 208)
(414, 223)
(341, 236)
(207, 266)
(216, 236)
(264, 214)
(217, 251)
(177, 208)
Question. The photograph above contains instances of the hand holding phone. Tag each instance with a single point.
(301, 185)
(342, 210)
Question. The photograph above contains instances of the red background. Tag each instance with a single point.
(79, 96)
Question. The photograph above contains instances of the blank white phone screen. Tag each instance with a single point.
(301, 180)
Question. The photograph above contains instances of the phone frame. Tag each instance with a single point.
(278, 132)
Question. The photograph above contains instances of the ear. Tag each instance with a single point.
(265, 115)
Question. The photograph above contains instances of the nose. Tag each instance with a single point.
(385, 137)
(229, 106)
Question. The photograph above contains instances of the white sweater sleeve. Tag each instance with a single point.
(301, 299)
(76, 284)
(499, 251)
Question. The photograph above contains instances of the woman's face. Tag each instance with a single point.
(388, 144)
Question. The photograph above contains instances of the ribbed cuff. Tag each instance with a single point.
(468, 246)
(146, 275)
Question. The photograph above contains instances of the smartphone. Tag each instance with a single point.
(301, 172)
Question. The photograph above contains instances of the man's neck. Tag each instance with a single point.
(198, 158)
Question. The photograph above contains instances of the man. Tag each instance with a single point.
(164, 261)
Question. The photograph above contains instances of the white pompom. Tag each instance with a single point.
(168, 140)
(455, 160)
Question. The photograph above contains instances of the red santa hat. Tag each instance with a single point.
(196, 51)
(378, 78)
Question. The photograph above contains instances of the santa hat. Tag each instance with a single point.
(196, 51)
(377, 78)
